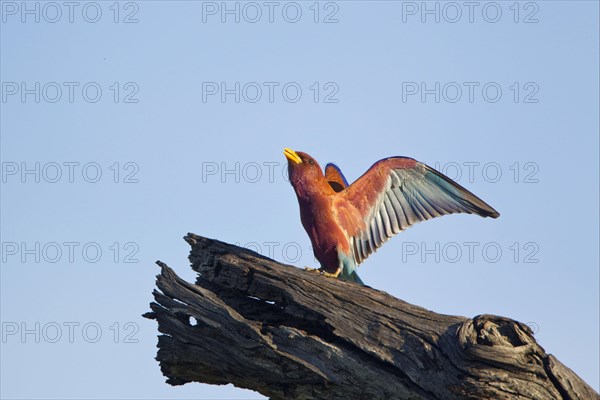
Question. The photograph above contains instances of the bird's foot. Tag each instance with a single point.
(323, 272)
(334, 275)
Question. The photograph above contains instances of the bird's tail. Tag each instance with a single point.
(349, 269)
(353, 277)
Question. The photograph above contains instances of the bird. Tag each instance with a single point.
(347, 223)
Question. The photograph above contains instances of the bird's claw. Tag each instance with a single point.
(334, 275)
(323, 272)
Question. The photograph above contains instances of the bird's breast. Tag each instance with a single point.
(326, 235)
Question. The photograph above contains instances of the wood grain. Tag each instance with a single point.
(292, 334)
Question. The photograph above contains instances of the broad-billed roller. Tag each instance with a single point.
(346, 223)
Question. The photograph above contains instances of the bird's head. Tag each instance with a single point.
(306, 175)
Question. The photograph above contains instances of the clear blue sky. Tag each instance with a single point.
(506, 103)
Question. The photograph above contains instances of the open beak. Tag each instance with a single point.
(292, 156)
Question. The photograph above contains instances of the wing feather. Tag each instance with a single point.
(392, 214)
(396, 193)
(385, 219)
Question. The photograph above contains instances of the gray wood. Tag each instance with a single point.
(292, 334)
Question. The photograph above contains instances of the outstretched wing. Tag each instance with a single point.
(396, 193)
(335, 178)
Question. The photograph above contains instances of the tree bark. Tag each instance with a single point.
(292, 334)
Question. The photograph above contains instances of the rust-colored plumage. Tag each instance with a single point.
(335, 178)
(346, 223)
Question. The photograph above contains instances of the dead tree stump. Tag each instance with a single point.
(291, 334)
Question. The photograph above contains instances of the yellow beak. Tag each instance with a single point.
(292, 155)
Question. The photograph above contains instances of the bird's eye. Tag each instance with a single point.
(311, 162)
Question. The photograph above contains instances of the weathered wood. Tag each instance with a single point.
(292, 334)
